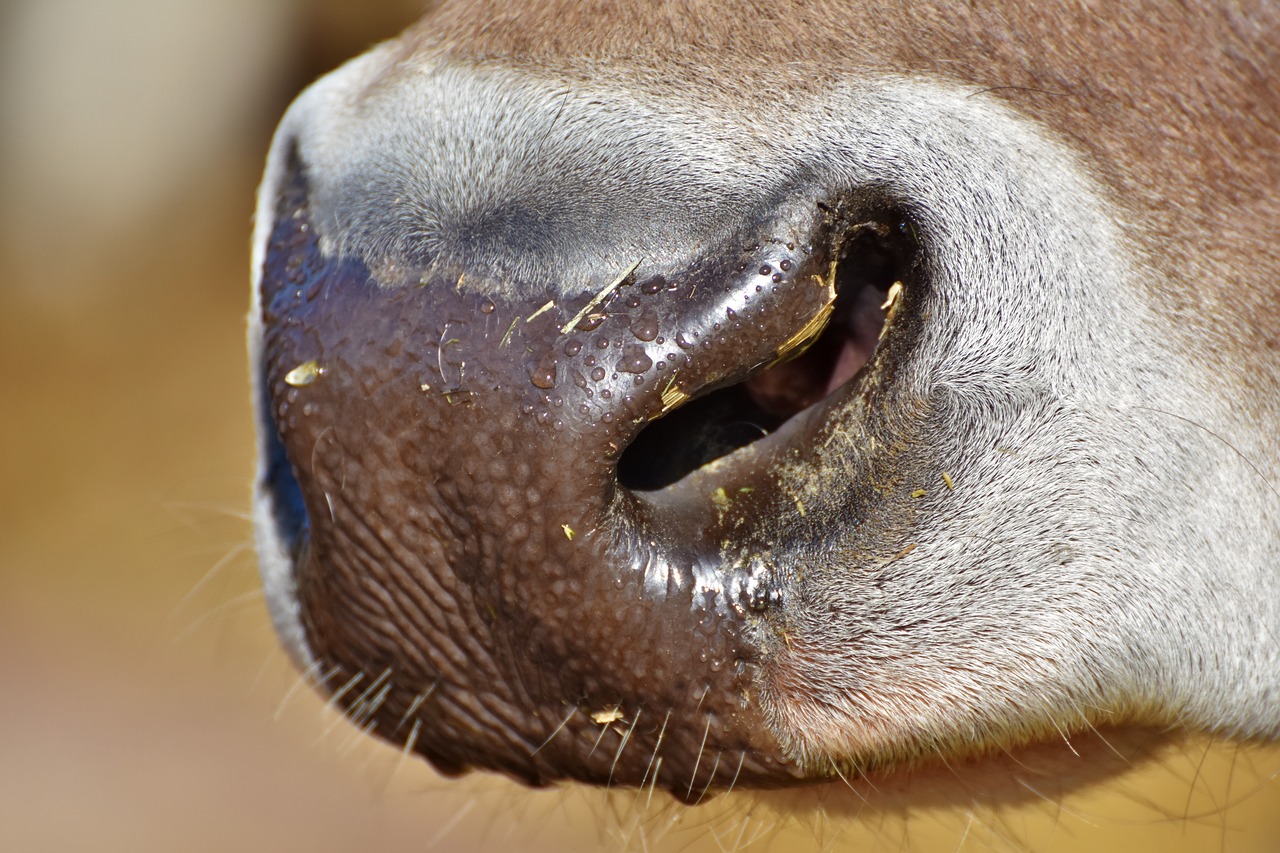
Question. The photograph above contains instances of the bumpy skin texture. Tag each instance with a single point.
(491, 253)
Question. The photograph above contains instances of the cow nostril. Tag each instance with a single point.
(872, 258)
(693, 435)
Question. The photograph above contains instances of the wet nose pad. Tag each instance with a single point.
(455, 441)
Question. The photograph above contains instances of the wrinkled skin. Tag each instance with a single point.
(788, 395)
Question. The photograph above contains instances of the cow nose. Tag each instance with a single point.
(470, 564)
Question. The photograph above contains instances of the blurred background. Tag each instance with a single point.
(143, 703)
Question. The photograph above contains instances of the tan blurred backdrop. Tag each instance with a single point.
(143, 704)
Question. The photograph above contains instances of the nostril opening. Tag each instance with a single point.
(693, 435)
(872, 257)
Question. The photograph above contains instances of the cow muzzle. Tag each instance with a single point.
(552, 531)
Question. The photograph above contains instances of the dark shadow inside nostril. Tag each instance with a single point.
(693, 435)
(872, 257)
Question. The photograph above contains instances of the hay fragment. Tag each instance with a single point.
(599, 298)
(304, 374)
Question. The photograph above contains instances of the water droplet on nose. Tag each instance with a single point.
(544, 375)
(573, 348)
(597, 373)
(589, 322)
(653, 285)
(634, 360)
(682, 341)
(487, 306)
(645, 327)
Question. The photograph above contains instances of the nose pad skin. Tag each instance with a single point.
(472, 578)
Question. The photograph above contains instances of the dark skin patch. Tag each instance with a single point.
(469, 569)
(470, 573)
